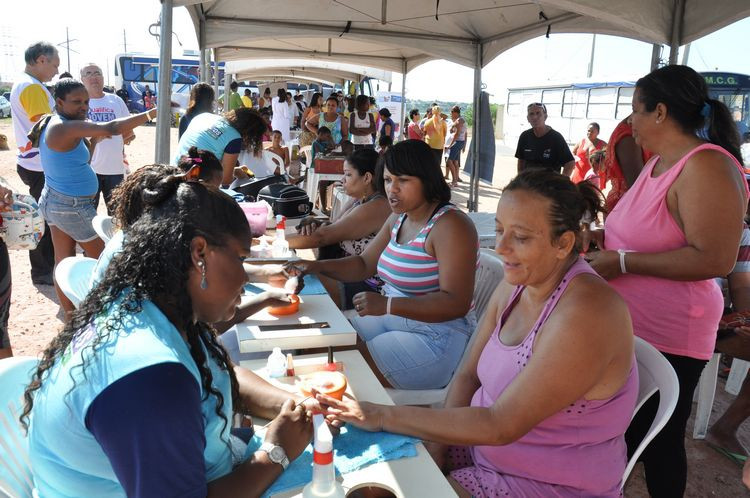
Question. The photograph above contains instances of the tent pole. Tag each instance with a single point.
(227, 82)
(164, 95)
(202, 48)
(403, 99)
(678, 17)
(216, 78)
(655, 56)
(473, 203)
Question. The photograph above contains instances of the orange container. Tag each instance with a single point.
(331, 383)
(288, 309)
(329, 165)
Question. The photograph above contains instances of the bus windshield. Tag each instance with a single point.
(146, 70)
(734, 91)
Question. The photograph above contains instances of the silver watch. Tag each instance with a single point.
(275, 453)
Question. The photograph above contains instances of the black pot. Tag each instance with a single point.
(251, 187)
(286, 200)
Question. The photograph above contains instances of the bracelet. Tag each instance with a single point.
(388, 306)
(622, 252)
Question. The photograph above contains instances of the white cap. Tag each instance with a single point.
(323, 440)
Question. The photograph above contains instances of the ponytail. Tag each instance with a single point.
(720, 128)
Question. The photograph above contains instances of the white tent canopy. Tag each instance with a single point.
(315, 69)
(399, 36)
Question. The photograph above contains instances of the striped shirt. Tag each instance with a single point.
(407, 269)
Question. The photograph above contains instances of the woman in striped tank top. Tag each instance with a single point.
(415, 334)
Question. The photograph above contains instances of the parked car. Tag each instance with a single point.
(7, 96)
(4, 107)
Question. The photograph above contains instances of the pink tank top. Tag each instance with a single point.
(675, 317)
(581, 447)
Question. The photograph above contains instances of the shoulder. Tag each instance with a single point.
(455, 224)
(711, 165)
(590, 300)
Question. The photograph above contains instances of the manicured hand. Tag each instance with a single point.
(292, 429)
(367, 416)
(276, 297)
(370, 303)
(605, 263)
(300, 267)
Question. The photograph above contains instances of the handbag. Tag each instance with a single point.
(257, 216)
(22, 226)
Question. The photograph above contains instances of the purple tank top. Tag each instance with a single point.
(582, 446)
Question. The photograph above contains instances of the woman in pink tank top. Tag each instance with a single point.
(677, 228)
(541, 401)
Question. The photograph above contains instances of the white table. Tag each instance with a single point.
(406, 477)
(313, 308)
(485, 225)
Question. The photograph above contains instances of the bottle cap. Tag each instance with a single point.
(280, 222)
(323, 439)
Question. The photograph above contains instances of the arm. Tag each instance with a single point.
(630, 157)
(387, 130)
(312, 123)
(739, 290)
(228, 162)
(567, 168)
(360, 222)
(344, 128)
(708, 202)
(64, 135)
(569, 362)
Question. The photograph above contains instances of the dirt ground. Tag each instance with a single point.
(35, 318)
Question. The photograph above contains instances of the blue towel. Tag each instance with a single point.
(234, 194)
(353, 449)
(313, 287)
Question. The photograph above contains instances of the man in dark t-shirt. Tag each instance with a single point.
(541, 146)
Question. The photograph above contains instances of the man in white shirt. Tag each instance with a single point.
(29, 101)
(108, 158)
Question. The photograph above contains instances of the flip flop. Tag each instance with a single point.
(738, 459)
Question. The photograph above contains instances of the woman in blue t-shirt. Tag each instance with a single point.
(135, 396)
(68, 200)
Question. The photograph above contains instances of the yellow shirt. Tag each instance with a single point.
(435, 135)
(247, 101)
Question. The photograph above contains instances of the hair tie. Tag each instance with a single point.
(706, 110)
(196, 160)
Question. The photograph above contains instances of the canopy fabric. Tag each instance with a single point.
(351, 72)
(397, 36)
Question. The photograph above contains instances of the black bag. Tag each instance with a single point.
(286, 200)
(250, 187)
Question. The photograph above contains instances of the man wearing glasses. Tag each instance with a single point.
(108, 157)
(541, 146)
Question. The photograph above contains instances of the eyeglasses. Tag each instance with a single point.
(89, 74)
(537, 104)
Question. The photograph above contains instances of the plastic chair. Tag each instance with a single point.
(73, 276)
(307, 152)
(488, 276)
(654, 374)
(16, 478)
(103, 227)
(704, 394)
(273, 161)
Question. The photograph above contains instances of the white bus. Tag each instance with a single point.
(571, 107)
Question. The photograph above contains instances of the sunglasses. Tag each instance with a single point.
(537, 104)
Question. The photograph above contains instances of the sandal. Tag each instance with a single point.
(738, 459)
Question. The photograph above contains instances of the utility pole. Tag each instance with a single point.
(685, 55)
(124, 40)
(66, 44)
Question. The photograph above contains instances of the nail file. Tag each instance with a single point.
(294, 326)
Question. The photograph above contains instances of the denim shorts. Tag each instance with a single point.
(412, 354)
(455, 150)
(71, 214)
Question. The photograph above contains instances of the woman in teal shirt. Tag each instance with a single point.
(135, 396)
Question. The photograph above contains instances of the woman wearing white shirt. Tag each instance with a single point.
(282, 115)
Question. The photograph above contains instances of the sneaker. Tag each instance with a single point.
(43, 280)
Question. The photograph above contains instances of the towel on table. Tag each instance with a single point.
(353, 449)
(313, 287)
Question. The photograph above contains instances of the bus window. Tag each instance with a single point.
(574, 103)
(514, 104)
(552, 99)
(602, 103)
(624, 102)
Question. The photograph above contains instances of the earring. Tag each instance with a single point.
(204, 283)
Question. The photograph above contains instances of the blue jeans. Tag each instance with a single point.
(107, 184)
(412, 354)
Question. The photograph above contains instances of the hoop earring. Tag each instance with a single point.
(204, 283)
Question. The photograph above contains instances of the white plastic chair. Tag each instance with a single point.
(654, 374)
(704, 394)
(103, 226)
(16, 479)
(488, 276)
(73, 276)
(307, 152)
(273, 161)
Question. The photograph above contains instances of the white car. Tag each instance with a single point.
(4, 107)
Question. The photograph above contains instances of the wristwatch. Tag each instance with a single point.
(276, 454)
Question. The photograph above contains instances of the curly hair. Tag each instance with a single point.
(251, 126)
(126, 202)
(154, 265)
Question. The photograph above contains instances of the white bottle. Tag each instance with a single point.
(276, 365)
(280, 247)
(324, 483)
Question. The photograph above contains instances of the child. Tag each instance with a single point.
(322, 145)
(596, 173)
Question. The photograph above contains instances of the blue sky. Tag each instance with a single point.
(562, 58)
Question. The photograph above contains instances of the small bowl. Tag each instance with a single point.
(332, 384)
(288, 309)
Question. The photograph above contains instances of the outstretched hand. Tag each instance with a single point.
(367, 416)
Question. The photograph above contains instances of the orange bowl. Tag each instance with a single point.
(288, 309)
(331, 383)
